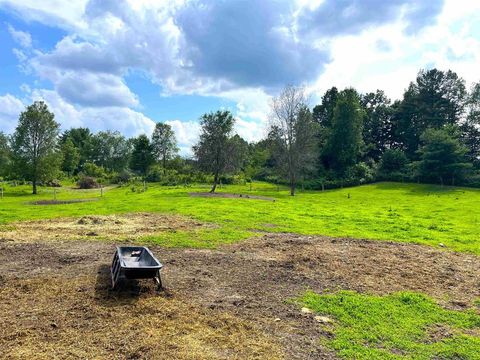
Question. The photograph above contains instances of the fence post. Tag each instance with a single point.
(1, 192)
(101, 190)
(54, 193)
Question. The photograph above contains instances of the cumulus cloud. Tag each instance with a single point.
(95, 90)
(246, 43)
(339, 17)
(187, 133)
(10, 109)
(23, 38)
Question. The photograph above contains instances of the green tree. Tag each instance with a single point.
(323, 113)
(5, 156)
(82, 139)
(110, 150)
(392, 165)
(164, 143)
(344, 143)
(142, 155)
(71, 156)
(442, 157)
(435, 99)
(215, 151)
(34, 144)
(377, 127)
(470, 128)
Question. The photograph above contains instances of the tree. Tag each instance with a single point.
(4, 155)
(71, 156)
(442, 157)
(344, 143)
(164, 143)
(294, 132)
(215, 150)
(110, 150)
(82, 139)
(34, 144)
(323, 113)
(142, 155)
(377, 127)
(470, 128)
(436, 99)
(392, 165)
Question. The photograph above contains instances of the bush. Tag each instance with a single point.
(393, 165)
(87, 182)
(92, 170)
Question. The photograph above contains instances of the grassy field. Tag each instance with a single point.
(423, 214)
(423, 330)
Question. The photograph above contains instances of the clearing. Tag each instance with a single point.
(281, 292)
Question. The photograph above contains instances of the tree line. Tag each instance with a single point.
(430, 135)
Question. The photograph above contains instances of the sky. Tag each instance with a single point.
(126, 64)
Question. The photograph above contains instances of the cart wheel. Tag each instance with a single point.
(158, 280)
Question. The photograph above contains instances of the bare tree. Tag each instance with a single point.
(293, 132)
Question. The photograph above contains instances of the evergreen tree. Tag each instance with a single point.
(344, 143)
(442, 157)
(142, 155)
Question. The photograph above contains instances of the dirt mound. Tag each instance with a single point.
(231, 196)
(112, 227)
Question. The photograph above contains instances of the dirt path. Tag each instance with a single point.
(222, 303)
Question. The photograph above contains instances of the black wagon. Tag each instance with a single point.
(135, 262)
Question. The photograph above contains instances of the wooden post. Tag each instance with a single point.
(144, 186)
(250, 185)
(101, 190)
(54, 193)
(1, 192)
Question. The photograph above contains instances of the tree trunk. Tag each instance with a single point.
(164, 164)
(34, 183)
(215, 182)
(292, 186)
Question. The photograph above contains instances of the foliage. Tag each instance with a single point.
(215, 151)
(110, 150)
(34, 144)
(71, 156)
(5, 156)
(395, 326)
(142, 155)
(344, 143)
(92, 170)
(393, 165)
(164, 143)
(442, 157)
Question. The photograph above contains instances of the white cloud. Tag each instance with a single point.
(23, 38)
(187, 133)
(10, 109)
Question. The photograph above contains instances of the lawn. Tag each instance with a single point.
(363, 325)
(423, 214)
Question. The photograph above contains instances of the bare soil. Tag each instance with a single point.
(106, 227)
(231, 196)
(226, 303)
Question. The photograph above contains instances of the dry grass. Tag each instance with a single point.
(78, 318)
(131, 226)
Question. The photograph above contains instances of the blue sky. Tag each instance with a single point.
(126, 64)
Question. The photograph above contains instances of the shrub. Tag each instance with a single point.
(92, 170)
(87, 182)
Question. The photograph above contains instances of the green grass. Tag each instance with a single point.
(422, 214)
(396, 326)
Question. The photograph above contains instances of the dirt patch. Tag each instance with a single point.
(61, 202)
(231, 196)
(223, 303)
(112, 227)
